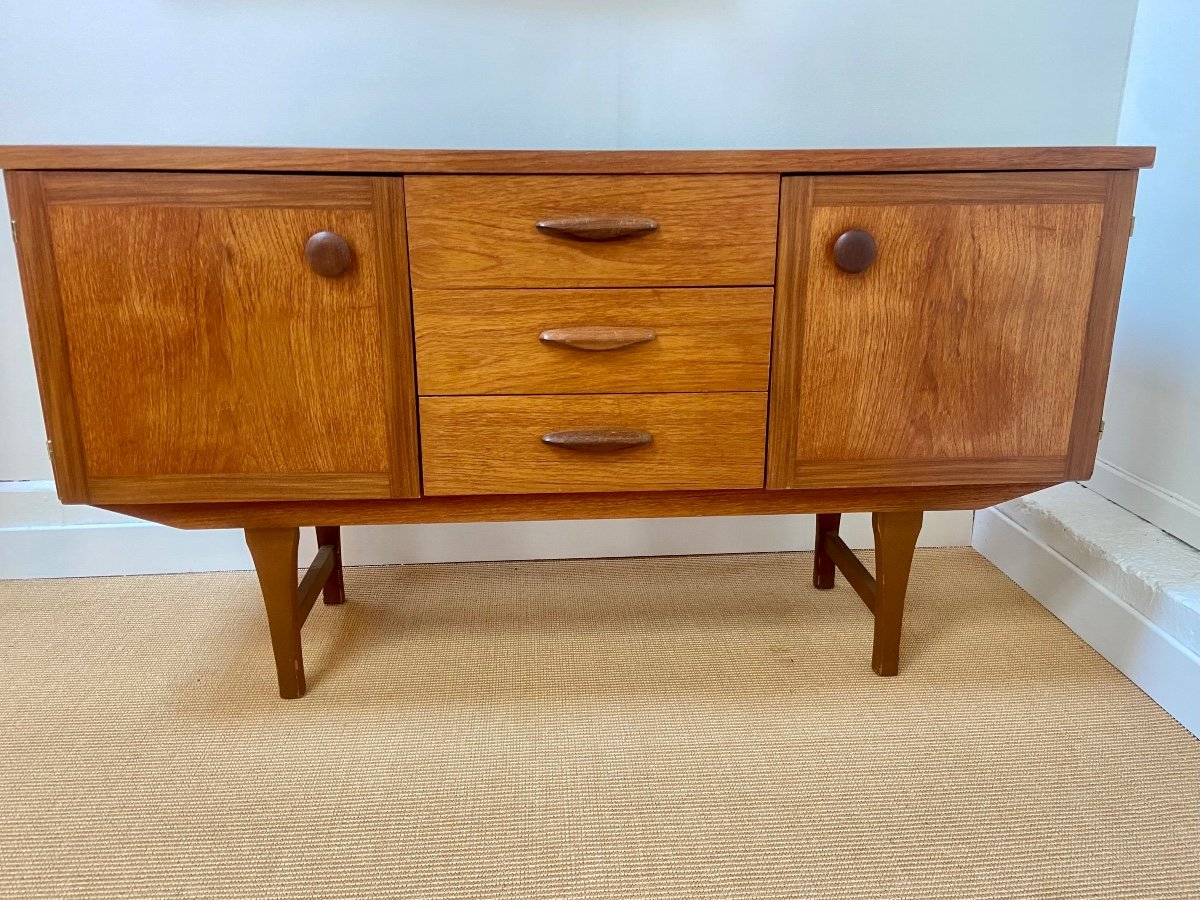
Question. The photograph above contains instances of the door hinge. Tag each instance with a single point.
(1132, 222)
(50, 450)
(1101, 428)
(12, 226)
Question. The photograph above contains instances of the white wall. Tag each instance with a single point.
(535, 73)
(1126, 588)
(1150, 452)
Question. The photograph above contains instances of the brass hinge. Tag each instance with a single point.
(1132, 222)
(1101, 428)
(12, 225)
(50, 450)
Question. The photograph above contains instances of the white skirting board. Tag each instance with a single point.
(1172, 513)
(41, 539)
(1153, 660)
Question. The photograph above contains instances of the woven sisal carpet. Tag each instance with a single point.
(660, 728)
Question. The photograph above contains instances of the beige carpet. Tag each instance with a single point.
(661, 728)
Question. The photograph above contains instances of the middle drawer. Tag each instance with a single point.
(592, 341)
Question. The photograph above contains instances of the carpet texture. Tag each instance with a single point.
(654, 728)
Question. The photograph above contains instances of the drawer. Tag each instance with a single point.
(593, 341)
(468, 231)
(497, 445)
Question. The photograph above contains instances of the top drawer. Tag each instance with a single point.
(468, 231)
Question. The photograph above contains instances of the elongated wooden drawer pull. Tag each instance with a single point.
(598, 337)
(597, 228)
(597, 440)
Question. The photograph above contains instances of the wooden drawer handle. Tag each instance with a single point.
(328, 254)
(597, 337)
(597, 228)
(597, 440)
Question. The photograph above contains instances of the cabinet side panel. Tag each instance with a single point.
(47, 333)
(1101, 324)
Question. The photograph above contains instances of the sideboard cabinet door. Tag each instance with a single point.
(220, 337)
(944, 329)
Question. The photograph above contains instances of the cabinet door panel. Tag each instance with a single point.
(209, 361)
(955, 357)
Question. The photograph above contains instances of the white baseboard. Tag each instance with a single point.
(36, 541)
(1172, 513)
(1149, 657)
(78, 551)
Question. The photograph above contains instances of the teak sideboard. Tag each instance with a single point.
(273, 339)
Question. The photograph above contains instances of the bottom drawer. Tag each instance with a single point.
(605, 442)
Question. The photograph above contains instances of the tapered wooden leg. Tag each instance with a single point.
(824, 569)
(335, 589)
(895, 540)
(275, 552)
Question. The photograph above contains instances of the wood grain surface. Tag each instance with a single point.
(1101, 324)
(974, 349)
(569, 162)
(487, 342)
(238, 486)
(493, 445)
(200, 344)
(187, 189)
(791, 273)
(546, 507)
(396, 337)
(481, 231)
(962, 342)
(47, 332)
(905, 471)
(965, 187)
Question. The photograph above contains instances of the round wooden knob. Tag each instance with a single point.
(328, 254)
(855, 250)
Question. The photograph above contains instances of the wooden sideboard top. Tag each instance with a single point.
(570, 162)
